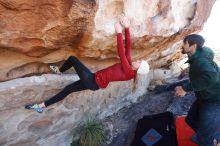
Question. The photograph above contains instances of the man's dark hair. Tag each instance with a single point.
(194, 39)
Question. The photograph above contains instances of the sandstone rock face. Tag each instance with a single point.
(35, 33)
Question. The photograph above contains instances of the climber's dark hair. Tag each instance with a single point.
(194, 39)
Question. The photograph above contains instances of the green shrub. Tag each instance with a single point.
(92, 134)
(75, 143)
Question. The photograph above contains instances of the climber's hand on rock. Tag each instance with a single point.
(124, 21)
(179, 91)
(118, 27)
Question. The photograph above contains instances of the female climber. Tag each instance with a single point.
(123, 71)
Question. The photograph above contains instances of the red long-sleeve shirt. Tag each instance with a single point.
(121, 71)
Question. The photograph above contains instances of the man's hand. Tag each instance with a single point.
(118, 27)
(124, 21)
(179, 91)
(216, 143)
